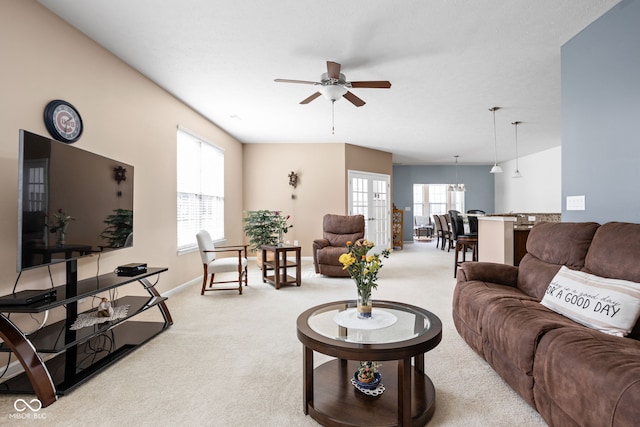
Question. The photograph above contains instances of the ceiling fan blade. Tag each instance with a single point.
(379, 84)
(306, 82)
(354, 99)
(311, 98)
(333, 70)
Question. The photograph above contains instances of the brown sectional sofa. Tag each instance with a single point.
(571, 374)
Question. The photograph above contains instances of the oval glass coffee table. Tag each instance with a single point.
(397, 334)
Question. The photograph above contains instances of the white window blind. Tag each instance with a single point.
(200, 189)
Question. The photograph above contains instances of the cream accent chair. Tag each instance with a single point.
(213, 265)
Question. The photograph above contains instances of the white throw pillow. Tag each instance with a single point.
(611, 306)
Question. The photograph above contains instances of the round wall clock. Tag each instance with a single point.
(63, 121)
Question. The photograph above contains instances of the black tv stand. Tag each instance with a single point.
(105, 343)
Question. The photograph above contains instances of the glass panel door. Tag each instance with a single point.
(369, 196)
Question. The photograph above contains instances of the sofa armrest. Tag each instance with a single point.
(320, 243)
(317, 245)
(488, 272)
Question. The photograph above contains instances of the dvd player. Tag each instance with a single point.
(132, 269)
(28, 296)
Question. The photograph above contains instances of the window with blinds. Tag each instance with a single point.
(200, 167)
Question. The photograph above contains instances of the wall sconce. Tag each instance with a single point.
(120, 174)
(293, 179)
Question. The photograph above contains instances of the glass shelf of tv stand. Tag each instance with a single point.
(84, 288)
(88, 360)
(54, 338)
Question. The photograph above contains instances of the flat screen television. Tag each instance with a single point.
(71, 202)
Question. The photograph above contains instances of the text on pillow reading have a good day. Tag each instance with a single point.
(603, 305)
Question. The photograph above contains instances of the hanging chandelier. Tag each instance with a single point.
(456, 186)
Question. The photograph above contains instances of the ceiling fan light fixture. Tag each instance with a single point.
(333, 92)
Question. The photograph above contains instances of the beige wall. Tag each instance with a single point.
(126, 117)
(322, 186)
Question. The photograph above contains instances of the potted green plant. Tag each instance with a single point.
(367, 375)
(265, 227)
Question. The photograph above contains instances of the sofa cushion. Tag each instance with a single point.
(586, 378)
(340, 229)
(611, 306)
(549, 246)
(614, 251)
(511, 329)
(470, 300)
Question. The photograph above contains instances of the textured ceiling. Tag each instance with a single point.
(449, 61)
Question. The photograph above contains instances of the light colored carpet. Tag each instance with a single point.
(232, 360)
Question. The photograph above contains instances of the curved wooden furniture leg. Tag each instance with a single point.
(162, 306)
(34, 366)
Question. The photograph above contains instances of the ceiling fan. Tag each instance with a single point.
(333, 84)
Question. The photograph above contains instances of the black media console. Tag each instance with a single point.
(81, 353)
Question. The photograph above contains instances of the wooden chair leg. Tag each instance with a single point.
(204, 280)
(455, 265)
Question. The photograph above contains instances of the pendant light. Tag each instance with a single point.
(456, 187)
(517, 173)
(496, 168)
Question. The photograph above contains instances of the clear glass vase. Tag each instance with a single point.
(60, 237)
(364, 305)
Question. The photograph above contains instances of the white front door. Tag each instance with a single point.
(369, 196)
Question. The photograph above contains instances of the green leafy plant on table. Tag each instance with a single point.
(265, 227)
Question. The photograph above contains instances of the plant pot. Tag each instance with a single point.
(270, 257)
(369, 385)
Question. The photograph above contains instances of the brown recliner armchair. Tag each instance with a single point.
(337, 230)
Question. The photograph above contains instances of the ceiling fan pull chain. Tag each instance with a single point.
(333, 118)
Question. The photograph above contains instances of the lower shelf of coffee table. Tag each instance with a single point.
(337, 402)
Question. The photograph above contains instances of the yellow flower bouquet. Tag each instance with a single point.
(363, 269)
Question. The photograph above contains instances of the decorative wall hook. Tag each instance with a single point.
(120, 174)
(293, 179)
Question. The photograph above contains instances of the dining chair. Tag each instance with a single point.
(212, 264)
(463, 241)
(473, 219)
(436, 223)
(447, 235)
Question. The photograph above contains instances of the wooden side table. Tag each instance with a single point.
(281, 265)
